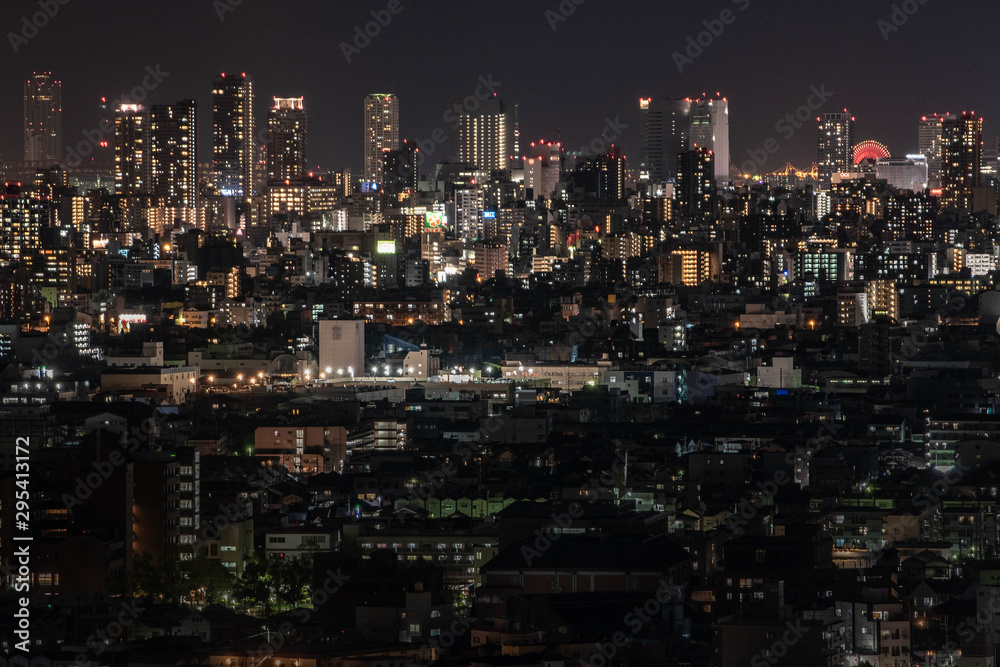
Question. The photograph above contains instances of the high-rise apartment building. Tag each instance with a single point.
(173, 154)
(286, 140)
(961, 160)
(696, 182)
(483, 139)
(42, 120)
(602, 176)
(233, 135)
(132, 168)
(22, 219)
(836, 144)
(929, 145)
(400, 169)
(381, 132)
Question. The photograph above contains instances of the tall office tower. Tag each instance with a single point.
(961, 160)
(710, 129)
(381, 132)
(233, 135)
(665, 125)
(400, 169)
(836, 144)
(929, 145)
(542, 167)
(173, 154)
(286, 140)
(42, 120)
(483, 137)
(517, 129)
(132, 169)
(696, 183)
(602, 176)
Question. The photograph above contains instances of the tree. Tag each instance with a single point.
(253, 589)
(145, 576)
(293, 577)
(274, 581)
(207, 578)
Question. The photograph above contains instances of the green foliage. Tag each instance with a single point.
(274, 583)
(197, 580)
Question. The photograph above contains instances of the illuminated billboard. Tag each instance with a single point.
(489, 215)
(126, 320)
(434, 222)
(386, 247)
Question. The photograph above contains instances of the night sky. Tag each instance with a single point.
(595, 65)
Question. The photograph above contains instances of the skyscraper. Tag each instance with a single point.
(696, 182)
(173, 154)
(836, 144)
(602, 176)
(400, 169)
(665, 126)
(286, 140)
(483, 136)
(22, 219)
(710, 129)
(233, 135)
(961, 159)
(381, 132)
(132, 171)
(929, 145)
(42, 120)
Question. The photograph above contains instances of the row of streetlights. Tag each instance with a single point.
(253, 380)
(386, 369)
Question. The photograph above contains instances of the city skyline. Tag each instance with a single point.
(757, 102)
(500, 334)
